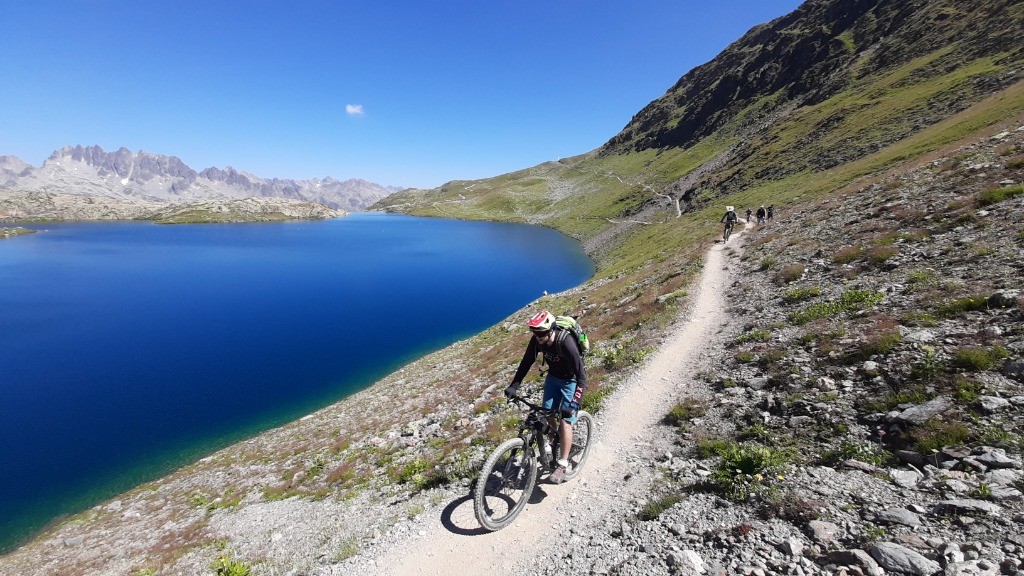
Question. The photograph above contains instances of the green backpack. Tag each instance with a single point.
(568, 325)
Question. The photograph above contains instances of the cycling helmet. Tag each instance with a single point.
(729, 208)
(542, 321)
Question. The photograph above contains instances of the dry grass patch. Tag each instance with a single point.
(847, 254)
(790, 273)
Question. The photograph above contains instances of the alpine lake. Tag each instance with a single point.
(128, 349)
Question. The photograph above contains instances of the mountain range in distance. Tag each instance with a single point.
(126, 176)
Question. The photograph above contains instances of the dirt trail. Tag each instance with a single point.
(455, 544)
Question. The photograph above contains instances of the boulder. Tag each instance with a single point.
(858, 558)
(967, 506)
(896, 558)
(997, 458)
(898, 516)
(1004, 299)
(823, 532)
(993, 403)
(922, 413)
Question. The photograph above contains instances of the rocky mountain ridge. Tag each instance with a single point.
(123, 179)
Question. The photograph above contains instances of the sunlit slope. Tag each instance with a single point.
(796, 109)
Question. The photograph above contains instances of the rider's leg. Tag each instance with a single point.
(559, 393)
(566, 440)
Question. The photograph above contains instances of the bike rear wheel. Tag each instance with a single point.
(582, 436)
(505, 484)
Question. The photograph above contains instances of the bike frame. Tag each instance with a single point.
(535, 426)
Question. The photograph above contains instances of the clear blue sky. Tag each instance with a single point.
(405, 93)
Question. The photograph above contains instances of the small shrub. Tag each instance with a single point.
(873, 533)
(920, 319)
(847, 254)
(226, 566)
(672, 297)
(792, 508)
(922, 276)
(1000, 437)
(593, 400)
(620, 356)
(982, 491)
(977, 358)
(962, 305)
(684, 411)
(879, 344)
(995, 195)
(757, 433)
(747, 470)
(790, 273)
(348, 549)
(754, 336)
(341, 474)
(879, 254)
(744, 356)
(806, 339)
(708, 447)
(966, 390)
(850, 300)
(863, 451)
(768, 263)
(653, 509)
(411, 471)
(893, 399)
(929, 367)
(771, 356)
(1014, 163)
(937, 433)
(801, 294)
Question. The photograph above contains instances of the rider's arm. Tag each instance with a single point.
(528, 359)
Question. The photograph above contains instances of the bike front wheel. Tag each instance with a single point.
(582, 438)
(505, 484)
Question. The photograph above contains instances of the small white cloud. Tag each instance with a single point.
(354, 109)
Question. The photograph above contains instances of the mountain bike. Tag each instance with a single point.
(510, 473)
(728, 231)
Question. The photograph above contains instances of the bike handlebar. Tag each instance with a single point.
(531, 405)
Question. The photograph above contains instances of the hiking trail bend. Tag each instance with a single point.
(454, 542)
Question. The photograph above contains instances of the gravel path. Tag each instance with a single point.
(453, 542)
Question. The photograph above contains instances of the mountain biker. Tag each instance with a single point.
(771, 212)
(565, 381)
(729, 219)
(749, 212)
(761, 213)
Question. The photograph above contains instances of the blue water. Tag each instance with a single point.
(128, 349)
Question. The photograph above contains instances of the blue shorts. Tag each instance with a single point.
(560, 390)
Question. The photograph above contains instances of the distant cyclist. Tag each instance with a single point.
(761, 214)
(729, 219)
(749, 213)
(564, 383)
(771, 212)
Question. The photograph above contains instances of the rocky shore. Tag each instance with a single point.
(45, 206)
(15, 231)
